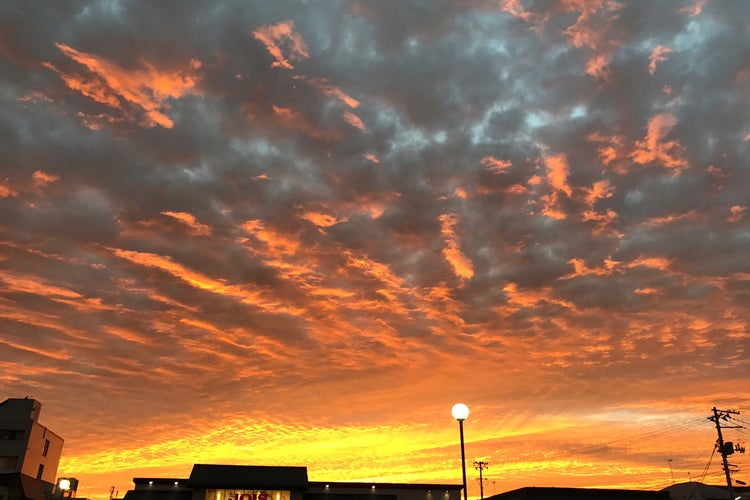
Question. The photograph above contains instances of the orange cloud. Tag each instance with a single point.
(657, 55)
(189, 221)
(354, 121)
(201, 281)
(373, 158)
(695, 9)
(280, 38)
(34, 185)
(95, 122)
(494, 165)
(514, 8)
(148, 88)
(6, 191)
(612, 151)
(550, 207)
(461, 264)
(376, 269)
(41, 179)
(292, 118)
(736, 213)
(321, 220)
(34, 285)
(590, 30)
(653, 148)
(47, 353)
(557, 173)
(580, 268)
(129, 335)
(329, 89)
(603, 221)
(531, 298)
(14, 312)
(599, 190)
(598, 66)
(658, 263)
(660, 221)
(275, 241)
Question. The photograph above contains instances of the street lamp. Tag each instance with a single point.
(67, 487)
(461, 412)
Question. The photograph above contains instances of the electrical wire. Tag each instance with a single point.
(708, 465)
(627, 441)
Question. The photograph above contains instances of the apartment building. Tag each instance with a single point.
(26, 446)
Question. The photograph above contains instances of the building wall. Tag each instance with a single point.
(25, 445)
(44, 449)
(14, 435)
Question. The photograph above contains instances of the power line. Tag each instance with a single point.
(627, 441)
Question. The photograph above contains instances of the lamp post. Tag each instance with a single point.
(67, 487)
(461, 412)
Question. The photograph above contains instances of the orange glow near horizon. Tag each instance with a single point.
(414, 452)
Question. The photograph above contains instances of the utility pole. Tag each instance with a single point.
(670, 469)
(481, 465)
(727, 448)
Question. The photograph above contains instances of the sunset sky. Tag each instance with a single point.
(296, 233)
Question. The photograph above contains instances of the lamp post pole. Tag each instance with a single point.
(461, 412)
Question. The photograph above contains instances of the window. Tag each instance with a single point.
(40, 471)
(8, 463)
(11, 434)
(46, 448)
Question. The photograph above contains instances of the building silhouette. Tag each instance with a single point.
(258, 482)
(557, 493)
(29, 452)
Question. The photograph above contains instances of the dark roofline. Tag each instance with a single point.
(377, 484)
(248, 476)
(572, 488)
(160, 480)
(319, 484)
(548, 490)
